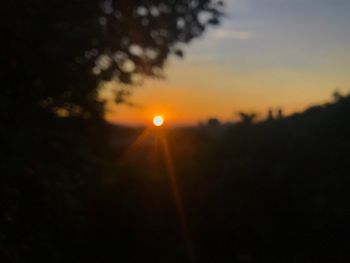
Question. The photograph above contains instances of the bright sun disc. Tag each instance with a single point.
(158, 120)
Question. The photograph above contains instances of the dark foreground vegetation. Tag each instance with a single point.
(275, 191)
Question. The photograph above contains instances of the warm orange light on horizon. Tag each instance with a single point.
(158, 120)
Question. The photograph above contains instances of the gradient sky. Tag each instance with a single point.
(266, 54)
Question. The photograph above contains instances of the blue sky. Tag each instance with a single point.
(282, 33)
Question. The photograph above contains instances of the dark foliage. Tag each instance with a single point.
(54, 53)
(55, 171)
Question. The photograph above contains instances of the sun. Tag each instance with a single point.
(158, 120)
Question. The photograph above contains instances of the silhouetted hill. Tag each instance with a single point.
(75, 190)
(281, 188)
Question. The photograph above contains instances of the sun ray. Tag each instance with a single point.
(135, 145)
(162, 149)
(169, 164)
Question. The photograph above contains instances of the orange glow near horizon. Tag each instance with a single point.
(187, 100)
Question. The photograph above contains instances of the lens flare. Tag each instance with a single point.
(158, 120)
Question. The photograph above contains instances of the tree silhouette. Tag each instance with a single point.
(54, 53)
(247, 118)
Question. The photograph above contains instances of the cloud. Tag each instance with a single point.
(232, 34)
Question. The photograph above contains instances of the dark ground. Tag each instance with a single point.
(275, 191)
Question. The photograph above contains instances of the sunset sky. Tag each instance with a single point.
(287, 54)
